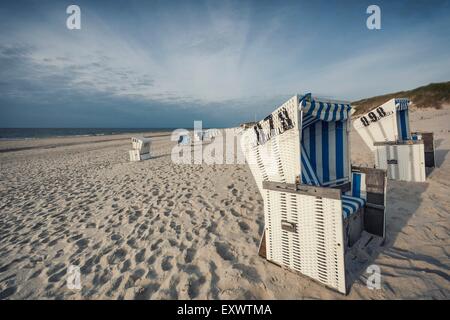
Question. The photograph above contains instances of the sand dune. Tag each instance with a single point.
(159, 230)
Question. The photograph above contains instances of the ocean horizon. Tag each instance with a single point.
(40, 133)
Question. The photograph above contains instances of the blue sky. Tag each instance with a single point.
(168, 63)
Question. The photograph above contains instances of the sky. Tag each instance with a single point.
(164, 64)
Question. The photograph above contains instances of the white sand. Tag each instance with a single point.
(158, 230)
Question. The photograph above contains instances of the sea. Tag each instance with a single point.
(38, 133)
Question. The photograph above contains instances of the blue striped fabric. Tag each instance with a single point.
(325, 153)
(351, 204)
(325, 111)
(401, 104)
(356, 185)
(339, 150)
(308, 173)
(312, 147)
(326, 146)
(403, 124)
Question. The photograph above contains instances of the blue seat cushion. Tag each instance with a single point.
(350, 205)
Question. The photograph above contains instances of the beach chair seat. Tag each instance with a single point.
(351, 205)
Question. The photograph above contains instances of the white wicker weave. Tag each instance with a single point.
(278, 159)
(141, 148)
(315, 247)
(141, 144)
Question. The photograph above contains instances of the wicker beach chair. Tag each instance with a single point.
(386, 131)
(184, 140)
(140, 148)
(315, 207)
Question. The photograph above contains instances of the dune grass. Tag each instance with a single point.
(434, 95)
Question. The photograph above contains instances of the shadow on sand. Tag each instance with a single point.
(403, 199)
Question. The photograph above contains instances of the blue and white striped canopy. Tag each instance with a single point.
(325, 111)
(324, 141)
(402, 104)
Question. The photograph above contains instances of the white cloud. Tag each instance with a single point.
(221, 59)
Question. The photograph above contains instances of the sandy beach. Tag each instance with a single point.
(159, 230)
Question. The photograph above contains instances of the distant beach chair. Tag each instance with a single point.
(209, 134)
(198, 136)
(404, 154)
(315, 204)
(184, 140)
(140, 148)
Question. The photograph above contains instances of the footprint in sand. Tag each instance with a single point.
(140, 256)
(126, 266)
(137, 274)
(244, 227)
(116, 237)
(155, 246)
(224, 251)
(165, 264)
(82, 244)
(8, 292)
(248, 272)
(118, 256)
(234, 212)
(57, 276)
(190, 254)
(146, 292)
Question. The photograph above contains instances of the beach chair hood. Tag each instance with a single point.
(386, 123)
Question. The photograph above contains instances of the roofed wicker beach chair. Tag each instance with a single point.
(315, 205)
(211, 133)
(198, 136)
(184, 140)
(140, 148)
(404, 154)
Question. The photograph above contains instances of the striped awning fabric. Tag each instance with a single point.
(402, 118)
(325, 111)
(308, 172)
(325, 145)
(401, 104)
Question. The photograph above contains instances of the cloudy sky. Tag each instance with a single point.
(168, 63)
